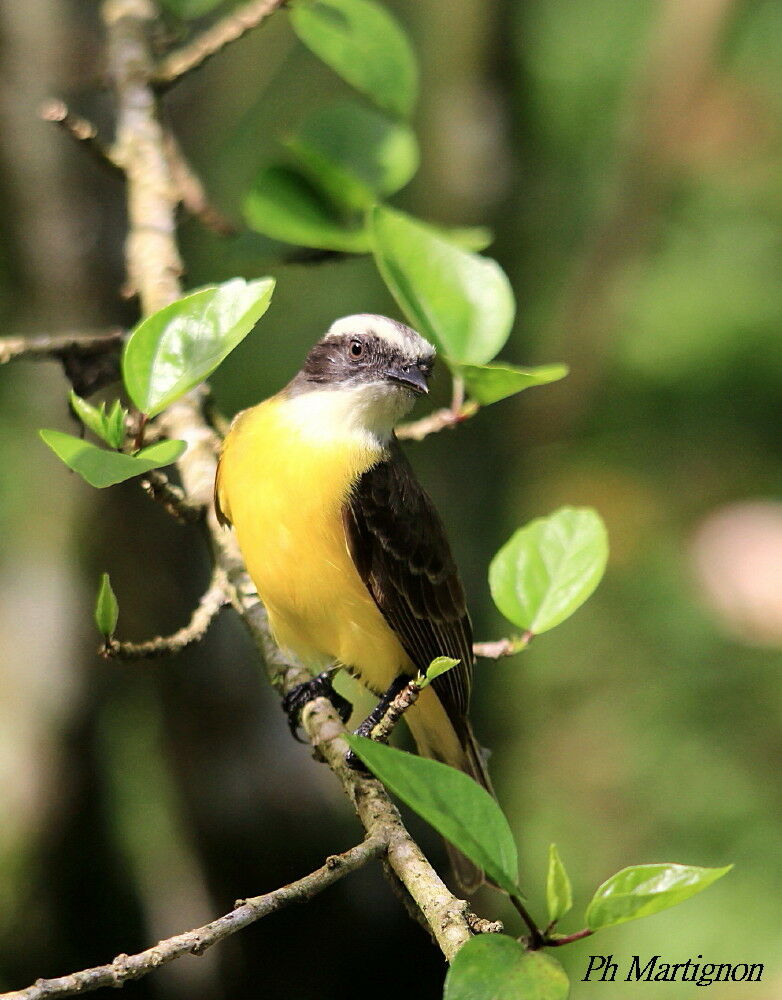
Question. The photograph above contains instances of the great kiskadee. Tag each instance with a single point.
(346, 549)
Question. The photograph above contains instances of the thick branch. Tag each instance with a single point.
(195, 942)
(154, 264)
(194, 54)
(210, 605)
(44, 346)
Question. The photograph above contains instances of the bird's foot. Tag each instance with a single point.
(320, 686)
(374, 717)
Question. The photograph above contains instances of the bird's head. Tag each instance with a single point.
(379, 364)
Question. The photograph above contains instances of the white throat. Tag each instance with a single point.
(367, 412)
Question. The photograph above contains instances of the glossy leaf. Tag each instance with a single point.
(559, 894)
(110, 427)
(356, 156)
(179, 346)
(106, 608)
(497, 967)
(365, 45)
(475, 238)
(91, 416)
(103, 468)
(115, 425)
(490, 383)
(463, 303)
(549, 568)
(645, 889)
(284, 205)
(439, 665)
(455, 805)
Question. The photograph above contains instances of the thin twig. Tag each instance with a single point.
(158, 486)
(436, 421)
(196, 941)
(192, 192)
(81, 131)
(45, 345)
(406, 698)
(211, 41)
(557, 940)
(497, 648)
(210, 605)
(536, 939)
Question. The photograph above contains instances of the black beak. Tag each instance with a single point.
(409, 376)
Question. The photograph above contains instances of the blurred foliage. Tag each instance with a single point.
(627, 157)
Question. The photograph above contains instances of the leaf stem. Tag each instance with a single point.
(138, 442)
(536, 939)
(557, 940)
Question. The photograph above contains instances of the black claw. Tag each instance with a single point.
(319, 687)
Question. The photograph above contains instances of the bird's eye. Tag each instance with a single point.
(356, 349)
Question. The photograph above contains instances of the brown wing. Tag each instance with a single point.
(399, 547)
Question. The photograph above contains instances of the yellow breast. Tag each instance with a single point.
(285, 475)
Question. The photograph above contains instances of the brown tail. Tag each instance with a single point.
(436, 737)
(468, 875)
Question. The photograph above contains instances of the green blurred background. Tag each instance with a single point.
(628, 158)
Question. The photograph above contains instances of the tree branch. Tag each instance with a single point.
(196, 941)
(157, 485)
(406, 698)
(192, 192)
(81, 131)
(45, 346)
(211, 41)
(436, 421)
(210, 605)
(498, 648)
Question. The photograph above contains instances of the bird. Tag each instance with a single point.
(344, 546)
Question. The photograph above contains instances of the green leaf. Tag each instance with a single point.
(438, 666)
(110, 427)
(455, 805)
(106, 608)
(365, 45)
(549, 568)
(460, 301)
(177, 347)
(284, 205)
(489, 383)
(559, 894)
(103, 468)
(475, 238)
(115, 425)
(354, 155)
(92, 417)
(497, 967)
(645, 889)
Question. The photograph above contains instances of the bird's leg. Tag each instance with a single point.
(374, 717)
(319, 686)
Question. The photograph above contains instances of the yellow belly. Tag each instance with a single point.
(283, 482)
